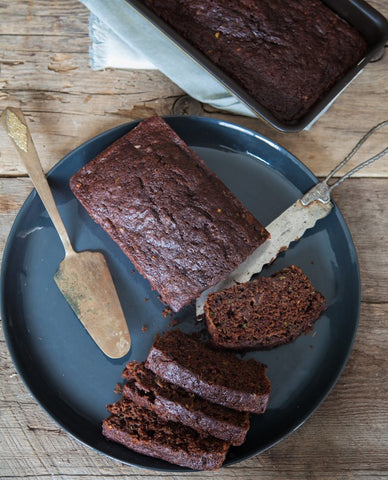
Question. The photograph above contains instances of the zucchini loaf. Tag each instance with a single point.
(181, 227)
(265, 312)
(170, 402)
(287, 54)
(217, 376)
(144, 432)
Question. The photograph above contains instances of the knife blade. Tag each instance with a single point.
(285, 229)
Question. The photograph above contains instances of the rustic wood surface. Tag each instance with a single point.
(45, 70)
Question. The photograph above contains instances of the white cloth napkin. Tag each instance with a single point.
(122, 38)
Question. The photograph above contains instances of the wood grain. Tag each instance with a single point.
(111, 97)
(45, 70)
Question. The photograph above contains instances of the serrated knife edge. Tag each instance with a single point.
(288, 227)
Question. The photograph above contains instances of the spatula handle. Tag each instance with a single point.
(18, 131)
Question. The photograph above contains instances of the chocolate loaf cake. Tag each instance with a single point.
(143, 431)
(287, 54)
(177, 222)
(265, 312)
(170, 402)
(220, 377)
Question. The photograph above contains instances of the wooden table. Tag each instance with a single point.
(45, 71)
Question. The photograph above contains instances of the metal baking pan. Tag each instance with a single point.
(368, 21)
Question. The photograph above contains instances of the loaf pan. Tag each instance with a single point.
(368, 21)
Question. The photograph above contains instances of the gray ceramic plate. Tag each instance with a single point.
(70, 377)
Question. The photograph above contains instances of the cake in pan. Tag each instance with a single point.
(286, 54)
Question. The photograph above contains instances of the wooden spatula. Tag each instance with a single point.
(83, 277)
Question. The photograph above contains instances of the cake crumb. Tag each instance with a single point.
(118, 388)
(166, 312)
(174, 322)
(144, 328)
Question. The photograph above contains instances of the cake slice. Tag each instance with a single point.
(170, 402)
(143, 431)
(265, 312)
(181, 227)
(220, 377)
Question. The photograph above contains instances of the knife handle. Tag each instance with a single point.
(321, 191)
(18, 131)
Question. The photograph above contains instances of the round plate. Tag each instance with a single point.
(73, 380)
